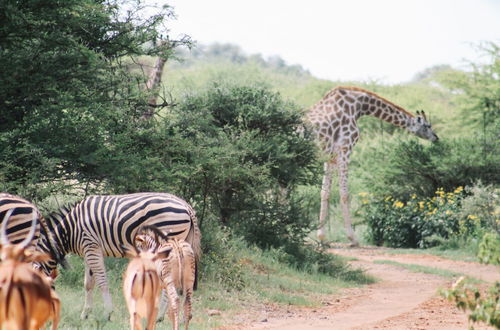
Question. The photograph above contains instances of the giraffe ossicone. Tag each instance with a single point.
(334, 120)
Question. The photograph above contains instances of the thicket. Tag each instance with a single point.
(417, 197)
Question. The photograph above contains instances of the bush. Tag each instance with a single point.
(489, 249)
(421, 222)
(411, 167)
(221, 261)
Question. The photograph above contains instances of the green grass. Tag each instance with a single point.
(266, 282)
(425, 269)
(455, 254)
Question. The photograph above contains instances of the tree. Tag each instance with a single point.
(65, 95)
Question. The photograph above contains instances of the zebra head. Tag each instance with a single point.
(51, 243)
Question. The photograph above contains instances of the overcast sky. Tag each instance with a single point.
(387, 40)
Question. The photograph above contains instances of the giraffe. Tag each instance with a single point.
(334, 121)
(153, 83)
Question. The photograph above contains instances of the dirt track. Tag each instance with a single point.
(401, 299)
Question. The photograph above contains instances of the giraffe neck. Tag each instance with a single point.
(374, 105)
(155, 77)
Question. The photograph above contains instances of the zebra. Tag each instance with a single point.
(103, 225)
(20, 223)
(178, 271)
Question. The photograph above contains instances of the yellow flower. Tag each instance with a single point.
(363, 194)
(472, 217)
(413, 196)
(398, 204)
(421, 205)
(448, 212)
(458, 190)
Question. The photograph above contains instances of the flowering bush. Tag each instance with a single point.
(418, 222)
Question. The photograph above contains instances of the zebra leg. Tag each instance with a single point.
(89, 283)
(95, 261)
(163, 305)
(187, 307)
(173, 305)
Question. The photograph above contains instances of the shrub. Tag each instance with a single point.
(420, 222)
(220, 262)
(412, 167)
(489, 249)
(483, 306)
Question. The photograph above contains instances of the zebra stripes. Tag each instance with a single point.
(100, 226)
(19, 223)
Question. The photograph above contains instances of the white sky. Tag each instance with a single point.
(387, 40)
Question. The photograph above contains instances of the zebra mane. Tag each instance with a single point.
(61, 213)
(151, 229)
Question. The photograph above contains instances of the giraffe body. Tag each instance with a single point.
(334, 120)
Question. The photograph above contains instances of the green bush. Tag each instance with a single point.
(489, 249)
(412, 167)
(482, 305)
(420, 222)
(221, 258)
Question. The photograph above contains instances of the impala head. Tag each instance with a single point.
(422, 128)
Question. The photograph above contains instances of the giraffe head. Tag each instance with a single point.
(421, 127)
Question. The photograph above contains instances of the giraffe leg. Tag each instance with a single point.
(325, 195)
(344, 199)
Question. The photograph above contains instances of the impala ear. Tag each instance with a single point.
(36, 256)
(130, 252)
(163, 253)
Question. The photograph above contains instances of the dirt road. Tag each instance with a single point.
(401, 299)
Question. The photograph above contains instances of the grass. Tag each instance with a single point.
(266, 281)
(425, 269)
(455, 254)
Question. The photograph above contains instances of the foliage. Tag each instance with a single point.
(421, 222)
(221, 260)
(410, 167)
(489, 249)
(244, 143)
(65, 96)
(275, 221)
(479, 89)
(484, 307)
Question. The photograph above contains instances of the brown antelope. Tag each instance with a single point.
(178, 272)
(27, 300)
(142, 285)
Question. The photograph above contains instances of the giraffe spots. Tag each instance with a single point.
(377, 113)
(341, 102)
(364, 107)
(341, 91)
(345, 120)
(349, 99)
(337, 97)
(372, 101)
(378, 103)
(336, 134)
